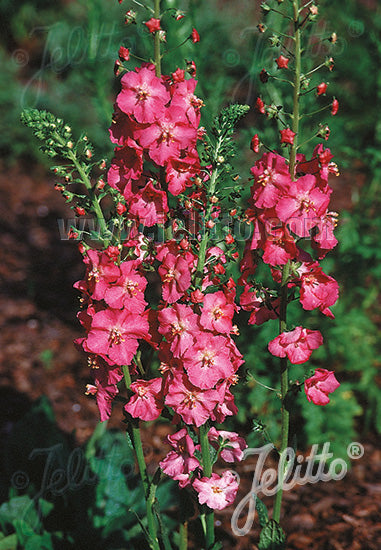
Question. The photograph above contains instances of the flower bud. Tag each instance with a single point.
(162, 35)
(274, 41)
(120, 208)
(264, 76)
(130, 17)
(80, 211)
(124, 53)
(335, 107)
(197, 296)
(195, 37)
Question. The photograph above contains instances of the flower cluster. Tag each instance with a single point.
(286, 210)
(157, 120)
(189, 326)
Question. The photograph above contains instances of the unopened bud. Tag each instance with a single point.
(130, 17)
(162, 36)
(274, 41)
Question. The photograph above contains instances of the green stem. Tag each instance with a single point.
(297, 75)
(285, 419)
(285, 416)
(207, 471)
(87, 183)
(157, 53)
(183, 536)
(149, 495)
(204, 241)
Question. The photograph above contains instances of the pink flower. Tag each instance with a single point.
(101, 273)
(184, 98)
(126, 164)
(105, 388)
(217, 313)
(226, 406)
(262, 309)
(320, 385)
(180, 172)
(147, 403)
(233, 445)
(149, 205)
(217, 492)
(324, 239)
(180, 462)
(175, 276)
(128, 290)
(194, 405)
(143, 95)
(318, 290)
(178, 324)
(271, 180)
(303, 205)
(279, 247)
(114, 334)
(297, 344)
(207, 361)
(166, 136)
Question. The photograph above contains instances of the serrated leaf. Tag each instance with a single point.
(272, 537)
(261, 509)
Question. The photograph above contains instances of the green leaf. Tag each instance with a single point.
(272, 537)
(9, 543)
(19, 507)
(23, 531)
(216, 546)
(263, 516)
(40, 542)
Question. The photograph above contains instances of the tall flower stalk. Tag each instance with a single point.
(168, 184)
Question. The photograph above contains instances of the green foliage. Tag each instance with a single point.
(272, 537)
(73, 497)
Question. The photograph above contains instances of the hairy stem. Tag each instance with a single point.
(157, 52)
(207, 471)
(285, 416)
(149, 497)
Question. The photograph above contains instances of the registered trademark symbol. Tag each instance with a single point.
(355, 450)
